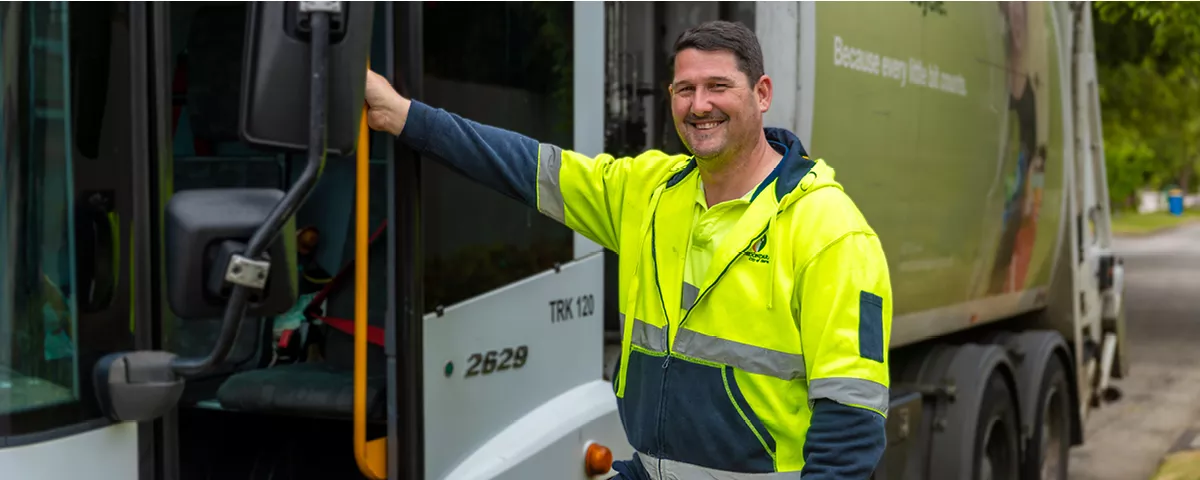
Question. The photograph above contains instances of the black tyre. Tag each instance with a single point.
(1050, 447)
(997, 455)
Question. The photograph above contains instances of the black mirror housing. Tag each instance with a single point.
(277, 68)
(204, 230)
(136, 386)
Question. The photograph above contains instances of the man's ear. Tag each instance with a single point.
(763, 90)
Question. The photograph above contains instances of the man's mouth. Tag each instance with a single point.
(707, 125)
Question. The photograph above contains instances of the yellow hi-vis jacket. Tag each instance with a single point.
(717, 379)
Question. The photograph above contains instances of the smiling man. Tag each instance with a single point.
(755, 298)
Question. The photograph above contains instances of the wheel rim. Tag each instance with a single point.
(999, 459)
(1052, 436)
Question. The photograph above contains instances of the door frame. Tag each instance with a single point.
(158, 440)
(150, 39)
(406, 310)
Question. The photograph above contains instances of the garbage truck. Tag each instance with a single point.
(210, 267)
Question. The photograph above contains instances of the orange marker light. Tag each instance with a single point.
(307, 239)
(598, 459)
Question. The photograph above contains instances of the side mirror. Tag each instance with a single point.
(276, 73)
(136, 386)
(204, 230)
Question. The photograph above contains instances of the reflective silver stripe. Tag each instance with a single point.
(647, 336)
(788, 366)
(850, 391)
(660, 469)
(550, 199)
(690, 292)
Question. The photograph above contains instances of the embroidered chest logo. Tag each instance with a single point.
(757, 251)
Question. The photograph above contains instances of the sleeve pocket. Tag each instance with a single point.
(870, 326)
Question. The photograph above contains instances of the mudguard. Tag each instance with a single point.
(1034, 349)
(964, 371)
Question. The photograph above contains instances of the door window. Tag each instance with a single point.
(508, 65)
(64, 291)
(206, 45)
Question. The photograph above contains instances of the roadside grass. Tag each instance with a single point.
(1183, 465)
(1133, 223)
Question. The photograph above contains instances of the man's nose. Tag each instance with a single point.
(701, 105)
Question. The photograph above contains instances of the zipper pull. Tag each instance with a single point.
(666, 344)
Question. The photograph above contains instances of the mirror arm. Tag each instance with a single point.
(241, 268)
(317, 98)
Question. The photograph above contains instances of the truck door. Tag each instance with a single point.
(67, 197)
(512, 302)
(261, 409)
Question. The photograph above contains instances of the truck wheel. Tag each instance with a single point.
(1050, 446)
(997, 456)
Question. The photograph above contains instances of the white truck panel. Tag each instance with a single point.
(500, 363)
(549, 441)
(104, 453)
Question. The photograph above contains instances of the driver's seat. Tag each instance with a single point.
(326, 388)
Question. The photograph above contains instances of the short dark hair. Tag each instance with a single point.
(723, 35)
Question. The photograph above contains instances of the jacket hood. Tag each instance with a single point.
(796, 175)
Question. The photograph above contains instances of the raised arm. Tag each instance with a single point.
(584, 193)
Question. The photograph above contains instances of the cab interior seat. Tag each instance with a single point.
(325, 387)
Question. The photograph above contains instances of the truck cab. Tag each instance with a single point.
(202, 275)
(134, 131)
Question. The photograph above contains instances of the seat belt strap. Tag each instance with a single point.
(374, 334)
(313, 312)
(340, 277)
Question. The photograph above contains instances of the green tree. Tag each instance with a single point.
(1148, 58)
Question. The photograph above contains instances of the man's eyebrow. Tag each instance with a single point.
(709, 79)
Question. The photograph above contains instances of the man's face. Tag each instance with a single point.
(717, 109)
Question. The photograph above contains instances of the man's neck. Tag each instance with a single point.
(733, 177)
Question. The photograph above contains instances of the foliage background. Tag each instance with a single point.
(1148, 58)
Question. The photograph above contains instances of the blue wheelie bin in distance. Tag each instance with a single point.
(1175, 201)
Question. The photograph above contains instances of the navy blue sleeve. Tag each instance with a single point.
(497, 158)
(843, 443)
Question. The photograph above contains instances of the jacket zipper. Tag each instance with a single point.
(666, 335)
(662, 395)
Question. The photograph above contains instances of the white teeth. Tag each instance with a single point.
(706, 126)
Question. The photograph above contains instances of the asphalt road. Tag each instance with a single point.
(1160, 406)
